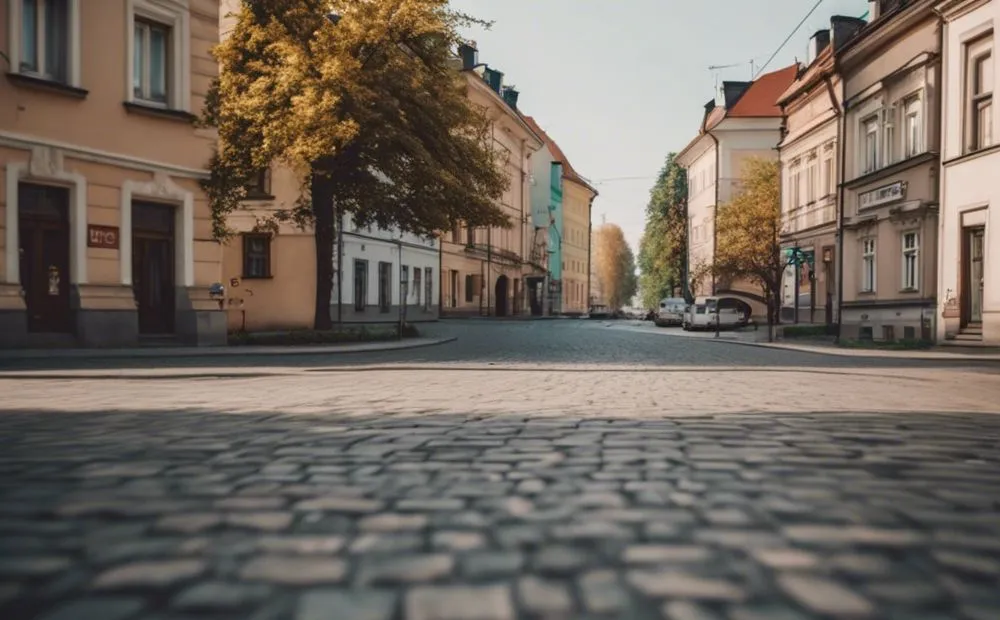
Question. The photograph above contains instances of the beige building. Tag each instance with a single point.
(891, 75)
(106, 234)
(483, 270)
(743, 121)
(578, 197)
(968, 292)
(812, 108)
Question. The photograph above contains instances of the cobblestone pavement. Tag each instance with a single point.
(535, 486)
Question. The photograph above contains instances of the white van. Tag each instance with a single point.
(705, 311)
(671, 311)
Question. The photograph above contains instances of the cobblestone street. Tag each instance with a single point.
(526, 471)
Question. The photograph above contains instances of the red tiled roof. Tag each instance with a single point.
(761, 97)
(568, 171)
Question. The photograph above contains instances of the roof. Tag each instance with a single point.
(568, 171)
(761, 99)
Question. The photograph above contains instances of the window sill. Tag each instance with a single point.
(52, 86)
(246, 277)
(866, 292)
(908, 291)
(259, 197)
(133, 107)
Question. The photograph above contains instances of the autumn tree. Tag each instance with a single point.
(614, 265)
(363, 101)
(663, 247)
(748, 229)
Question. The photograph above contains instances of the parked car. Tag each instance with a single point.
(671, 311)
(705, 312)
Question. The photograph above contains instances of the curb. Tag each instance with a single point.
(222, 351)
(859, 353)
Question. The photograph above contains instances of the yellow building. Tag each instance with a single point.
(483, 270)
(105, 233)
(578, 196)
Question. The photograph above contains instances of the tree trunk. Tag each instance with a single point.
(322, 205)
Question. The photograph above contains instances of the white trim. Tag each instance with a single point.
(73, 46)
(98, 156)
(46, 167)
(160, 189)
(177, 16)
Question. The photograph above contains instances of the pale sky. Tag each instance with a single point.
(619, 84)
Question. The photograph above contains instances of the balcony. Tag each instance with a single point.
(811, 215)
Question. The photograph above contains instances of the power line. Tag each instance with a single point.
(788, 38)
(612, 179)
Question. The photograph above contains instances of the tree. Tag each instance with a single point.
(748, 230)
(366, 107)
(663, 247)
(614, 265)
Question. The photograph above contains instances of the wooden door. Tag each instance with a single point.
(43, 235)
(153, 272)
(972, 276)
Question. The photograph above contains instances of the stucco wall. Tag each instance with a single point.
(576, 221)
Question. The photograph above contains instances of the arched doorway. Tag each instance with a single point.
(500, 294)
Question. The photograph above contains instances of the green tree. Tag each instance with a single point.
(630, 281)
(366, 106)
(663, 247)
(748, 229)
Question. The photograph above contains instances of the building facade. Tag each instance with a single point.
(742, 122)
(107, 235)
(890, 130)
(483, 270)
(968, 288)
(808, 151)
(545, 181)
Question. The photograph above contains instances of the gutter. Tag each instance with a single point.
(715, 209)
(590, 244)
(841, 175)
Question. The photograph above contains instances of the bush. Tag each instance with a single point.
(913, 344)
(808, 331)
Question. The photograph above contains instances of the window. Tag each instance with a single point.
(150, 64)
(911, 261)
(811, 182)
(456, 233)
(911, 125)
(360, 284)
(256, 256)
(979, 80)
(45, 38)
(870, 143)
(889, 141)
(428, 287)
(470, 285)
(868, 266)
(384, 286)
(404, 291)
(416, 284)
(829, 179)
(260, 185)
(470, 235)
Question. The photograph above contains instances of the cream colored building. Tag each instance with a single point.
(812, 107)
(483, 270)
(578, 196)
(106, 234)
(892, 80)
(968, 290)
(742, 122)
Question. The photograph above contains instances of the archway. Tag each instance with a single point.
(500, 294)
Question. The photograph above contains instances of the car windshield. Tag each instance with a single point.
(699, 309)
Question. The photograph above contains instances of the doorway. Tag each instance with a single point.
(972, 276)
(153, 277)
(500, 291)
(43, 249)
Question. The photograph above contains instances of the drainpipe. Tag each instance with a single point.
(942, 117)
(715, 209)
(841, 176)
(590, 245)
(782, 132)
(441, 276)
(838, 111)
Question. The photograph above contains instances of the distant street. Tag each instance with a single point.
(538, 469)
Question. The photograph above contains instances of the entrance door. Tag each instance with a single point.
(500, 290)
(972, 276)
(43, 235)
(153, 266)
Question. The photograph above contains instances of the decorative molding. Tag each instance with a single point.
(161, 189)
(45, 166)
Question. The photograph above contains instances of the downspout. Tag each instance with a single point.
(782, 132)
(590, 245)
(940, 301)
(838, 111)
(441, 276)
(524, 222)
(841, 176)
(715, 209)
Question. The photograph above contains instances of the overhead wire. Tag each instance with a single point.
(788, 38)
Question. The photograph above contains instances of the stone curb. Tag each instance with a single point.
(222, 351)
(934, 356)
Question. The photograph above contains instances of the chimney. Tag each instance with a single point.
(510, 95)
(843, 29)
(494, 78)
(732, 91)
(817, 43)
(873, 12)
(469, 55)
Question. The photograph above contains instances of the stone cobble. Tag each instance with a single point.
(127, 515)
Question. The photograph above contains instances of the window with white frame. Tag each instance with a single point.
(812, 181)
(912, 127)
(911, 261)
(979, 89)
(869, 142)
(868, 266)
(829, 179)
(46, 38)
(796, 185)
(159, 54)
(889, 136)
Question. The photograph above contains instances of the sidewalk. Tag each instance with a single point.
(933, 354)
(223, 351)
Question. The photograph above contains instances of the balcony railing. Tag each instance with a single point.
(822, 211)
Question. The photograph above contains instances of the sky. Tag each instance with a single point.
(620, 84)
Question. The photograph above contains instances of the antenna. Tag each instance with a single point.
(716, 68)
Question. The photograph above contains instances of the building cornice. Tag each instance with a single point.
(882, 32)
(950, 10)
(480, 84)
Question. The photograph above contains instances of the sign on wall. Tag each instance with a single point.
(882, 195)
(105, 237)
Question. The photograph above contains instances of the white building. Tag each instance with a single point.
(374, 284)
(969, 251)
(743, 121)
